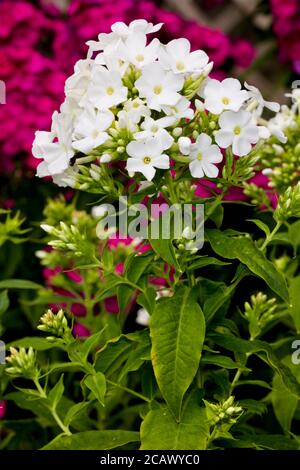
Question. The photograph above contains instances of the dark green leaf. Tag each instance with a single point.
(243, 249)
(177, 329)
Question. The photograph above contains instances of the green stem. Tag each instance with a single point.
(64, 428)
(43, 394)
(39, 388)
(270, 237)
(215, 204)
(238, 374)
(128, 390)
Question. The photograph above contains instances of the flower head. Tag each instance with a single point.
(237, 129)
(204, 156)
(146, 155)
(225, 95)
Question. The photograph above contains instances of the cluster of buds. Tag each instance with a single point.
(257, 195)
(22, 363)
(288, 204)
(226, 412)
(259, 312)
(56, 325)
(10, 228)
(71, 239)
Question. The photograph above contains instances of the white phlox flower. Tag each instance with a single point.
(90, 130)
(136, 51)
(159, 87)
(177, 56)
(204, 155)
(107, 89)
(55, 148)
(238, 130)
(224, 95)
(145, 156)
(258, 103)
(152, 128)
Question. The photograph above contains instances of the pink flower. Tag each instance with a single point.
(2, 409)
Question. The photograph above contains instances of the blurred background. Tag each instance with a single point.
(255, 40)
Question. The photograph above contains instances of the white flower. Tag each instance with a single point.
(136, 51)
(137, 26)
(176, 56)
(204, 156)
(146, 155)
(76, 85)
(224, 95)
(157, 129)
(239, 130)
(257, 100)
(89, 132)
(181, 110)
(120, 31)
(158, 86)
(283, 120)
(126, 121)
(56, 155)
(112, 59)
(136, 109)
(107, 89)
(142, 317)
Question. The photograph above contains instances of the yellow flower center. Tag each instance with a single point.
(180, 66)
(199, 156)
(154, 129)
(237, 130)
(135, 105)
(157, 89)
(225, 100)
(140, 58)
(110, 90)
(147, 160)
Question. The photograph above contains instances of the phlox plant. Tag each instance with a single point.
(145, 343)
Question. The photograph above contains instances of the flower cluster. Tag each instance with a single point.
(41, 43)
(146, 104)
(279, 158)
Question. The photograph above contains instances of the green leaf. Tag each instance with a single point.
(111, 357)
(135, 267)
(261, 225)
(265, 352)
(19, 284)
(39, 344)
(137, 357)
(163, 247)
(177, 329)
(74, 411)
(93, 440)
(221, 361)
(242, 248)
(147, 299)
(205, 261)
(283, 401)
(4, 302)
(55, 395)
(216, 295)
(91, 343)
(160, 431)
(97, 384)
(294, 310)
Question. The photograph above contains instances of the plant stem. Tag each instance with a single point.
(64, 428)
(238, 374)
(270, 237)
(39, 388)
(43, 394)
(136, 394)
